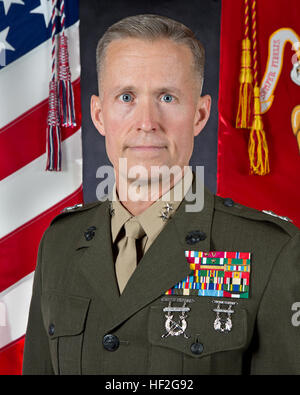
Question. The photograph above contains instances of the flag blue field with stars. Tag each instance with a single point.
(26, 24)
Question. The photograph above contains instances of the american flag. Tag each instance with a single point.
(30, 196)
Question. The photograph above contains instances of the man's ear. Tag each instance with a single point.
(202, 113)
(96, 114)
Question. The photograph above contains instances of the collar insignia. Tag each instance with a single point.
(165, 213)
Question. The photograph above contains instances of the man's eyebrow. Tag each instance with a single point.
(122, 88)
(131, 88)
(168, 89)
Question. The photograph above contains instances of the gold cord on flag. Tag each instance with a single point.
(257, 147)
(243, 119)
(249, 108)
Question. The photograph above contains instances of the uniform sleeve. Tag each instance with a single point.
(36, 358)
(278, 333)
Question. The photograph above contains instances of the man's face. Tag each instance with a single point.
(149, 109)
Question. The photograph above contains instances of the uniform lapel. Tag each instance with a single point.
(96, 263)
(164, 264)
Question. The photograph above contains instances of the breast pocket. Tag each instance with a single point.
(64, 319)
(201, 349)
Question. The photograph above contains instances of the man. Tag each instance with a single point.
(144, 286)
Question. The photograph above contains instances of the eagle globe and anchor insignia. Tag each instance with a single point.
(173, 326)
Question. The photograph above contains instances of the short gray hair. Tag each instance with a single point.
(151, 27)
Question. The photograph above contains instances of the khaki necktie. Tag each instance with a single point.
(126, 261)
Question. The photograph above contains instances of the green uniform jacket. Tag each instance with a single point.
(76, 303)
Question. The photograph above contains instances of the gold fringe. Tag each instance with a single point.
(258, 147)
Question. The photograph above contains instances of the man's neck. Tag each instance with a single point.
(147, 194)
(136, 208)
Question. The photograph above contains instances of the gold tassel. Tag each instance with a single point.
(243, 119)
(258, 147)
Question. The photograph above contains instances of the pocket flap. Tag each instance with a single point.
(200, 329)
(64, 315)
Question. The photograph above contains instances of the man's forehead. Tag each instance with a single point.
(130, 58)
(135, 49)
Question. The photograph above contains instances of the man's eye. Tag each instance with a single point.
(167, 98)
(126, 97)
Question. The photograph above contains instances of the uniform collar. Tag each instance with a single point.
(152, 218)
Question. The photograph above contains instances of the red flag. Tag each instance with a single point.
(278, 71)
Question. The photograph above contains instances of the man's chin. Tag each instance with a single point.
(145, 172)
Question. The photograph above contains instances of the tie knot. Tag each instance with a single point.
(134, 229)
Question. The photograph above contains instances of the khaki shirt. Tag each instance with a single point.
(151, 219)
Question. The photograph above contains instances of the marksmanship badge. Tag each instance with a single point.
(175, 327)
(223, 324)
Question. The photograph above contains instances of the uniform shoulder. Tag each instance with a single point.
(227, 205)
(73, 210)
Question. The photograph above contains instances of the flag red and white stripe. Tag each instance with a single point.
(30, 196)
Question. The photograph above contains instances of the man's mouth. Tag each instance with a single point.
(147, 147)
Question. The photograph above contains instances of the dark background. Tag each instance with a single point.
(203, 17)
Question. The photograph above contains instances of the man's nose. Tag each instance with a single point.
(147, 116)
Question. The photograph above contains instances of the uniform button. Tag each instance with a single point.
(51, 329)
(194, 236)
(228, 202)
(89, 234)
(110, 342)
(197, 348)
